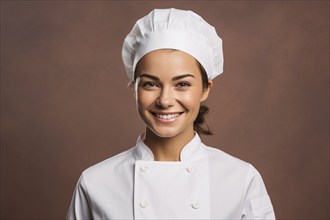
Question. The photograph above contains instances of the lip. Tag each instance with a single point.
(172, 116)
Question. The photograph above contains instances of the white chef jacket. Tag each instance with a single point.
(206, 184)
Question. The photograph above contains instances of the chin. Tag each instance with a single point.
(165, 133)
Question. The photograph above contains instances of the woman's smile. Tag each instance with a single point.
(167, 118)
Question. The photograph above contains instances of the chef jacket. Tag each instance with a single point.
(206, 183)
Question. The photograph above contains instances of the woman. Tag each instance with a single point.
(171, 57)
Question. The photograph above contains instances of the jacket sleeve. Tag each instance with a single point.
(80, 203)
(257, 204)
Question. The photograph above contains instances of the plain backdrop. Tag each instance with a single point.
(65, 104)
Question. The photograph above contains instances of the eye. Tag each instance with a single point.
(183, 84)
(149, 85)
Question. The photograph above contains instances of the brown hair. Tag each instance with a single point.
(200, 125)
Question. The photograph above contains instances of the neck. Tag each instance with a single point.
(167, 148)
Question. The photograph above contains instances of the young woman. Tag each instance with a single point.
(171, 57)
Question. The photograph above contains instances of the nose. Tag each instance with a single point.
(166, 98)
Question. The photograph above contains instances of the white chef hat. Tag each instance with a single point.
(174, 29)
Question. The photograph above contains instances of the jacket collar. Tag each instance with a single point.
(192, 151)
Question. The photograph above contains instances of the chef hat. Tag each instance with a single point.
(174, 29)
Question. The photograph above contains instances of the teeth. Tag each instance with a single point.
(168, 116)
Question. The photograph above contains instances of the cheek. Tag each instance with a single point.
(144, 99)
(192, 99)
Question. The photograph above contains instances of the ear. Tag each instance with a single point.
(206, 91)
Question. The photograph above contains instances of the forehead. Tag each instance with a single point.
(168, 63)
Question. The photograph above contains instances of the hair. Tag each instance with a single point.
(200, 125)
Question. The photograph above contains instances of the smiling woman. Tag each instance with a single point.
(171, 57)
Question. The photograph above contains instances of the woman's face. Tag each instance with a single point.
(169, 91)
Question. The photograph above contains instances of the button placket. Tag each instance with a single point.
(144, 169)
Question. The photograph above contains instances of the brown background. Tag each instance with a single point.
(65, 105)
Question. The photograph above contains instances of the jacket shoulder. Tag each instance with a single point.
(216, 154)
(224, 163)
(110, 165)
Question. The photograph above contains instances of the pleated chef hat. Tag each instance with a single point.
(174, 29)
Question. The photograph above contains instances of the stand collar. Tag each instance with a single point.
(190, 152)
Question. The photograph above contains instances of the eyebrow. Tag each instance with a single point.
(173, 79)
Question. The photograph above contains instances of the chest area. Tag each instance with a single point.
(171, 190)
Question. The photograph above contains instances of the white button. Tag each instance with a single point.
(195, 205)
(144, 168)
(191, 169)
(144, 204)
